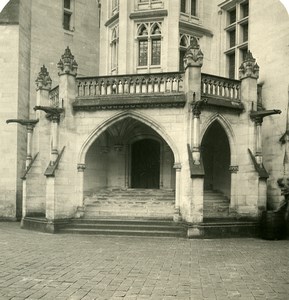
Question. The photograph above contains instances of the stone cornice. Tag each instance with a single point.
(148, 14)
(112, 19)
(195, 28)
(114, 102)
(219, 102)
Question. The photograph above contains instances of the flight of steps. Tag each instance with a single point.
(216, 205)
(131, 212)
(125, 227)
(130, 203)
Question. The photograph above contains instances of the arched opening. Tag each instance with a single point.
(145, 164)
(216, 156)
(129, 169)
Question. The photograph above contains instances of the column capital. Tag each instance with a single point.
(194, 55)
(234, 169)
(249, 68)
(43, 80)
(81, 167)
(178, 166)
(196, 107)
(67, 65)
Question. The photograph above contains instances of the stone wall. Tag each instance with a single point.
(9, 78)
(269, 30)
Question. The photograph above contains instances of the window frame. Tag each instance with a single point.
(114, 49)
(188, 6)
(240, 25)
(69, 13)
(146, 32)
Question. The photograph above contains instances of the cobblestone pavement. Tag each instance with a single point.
(42, 266)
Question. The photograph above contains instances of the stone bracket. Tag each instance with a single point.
(29, 166)
(50, 171)
(260, 169)
(195, 170)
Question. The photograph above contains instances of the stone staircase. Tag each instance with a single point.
(130, 203)
(125, 227)
(216, 205)
(131, 212)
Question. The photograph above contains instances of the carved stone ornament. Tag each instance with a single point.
(81, 167)
(249, 67)
(67, 64)
(43, 80)
(194, 55)
(234, 169)
(178, 166)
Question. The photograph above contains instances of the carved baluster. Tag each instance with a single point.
(162, 84)
(98, 88)
(150, 83)
(126, 86)
(171, 84)
(137, 86)
(79, 89)
(238, 92)
(144, 85)
(232, 91)
(155, 84)
(215, 87)
(206, 84)
(102, 90)
(133, 85)
(120, 87)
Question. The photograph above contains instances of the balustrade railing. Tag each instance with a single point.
(220, 87)
(130, 84)
(54, 97)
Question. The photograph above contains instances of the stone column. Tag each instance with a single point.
(177, 214)
(192, 176)
(54, 146)
(247, 190)
(79, 190)
(196, 134)
(193, 62)
(258, 152)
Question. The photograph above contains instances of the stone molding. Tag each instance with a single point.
(234, 169)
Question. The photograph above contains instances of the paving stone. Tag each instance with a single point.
(42, 266)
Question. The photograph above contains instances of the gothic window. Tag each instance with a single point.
(114, 49)
(237, 31)
(67, 14)
(189, 7)
(149, 44)
(114, 6)
(185, 40)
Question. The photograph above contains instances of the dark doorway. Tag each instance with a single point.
(216, 158)
(145, 164)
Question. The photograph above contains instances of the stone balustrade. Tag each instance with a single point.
(211, 86)
(54, 97)
(220, 87)
(130, 84)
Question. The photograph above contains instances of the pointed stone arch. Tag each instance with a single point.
(118, 117)
(228, 130)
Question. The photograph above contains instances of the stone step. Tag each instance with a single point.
(216, 205)
(151, 203)
(127, 227)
